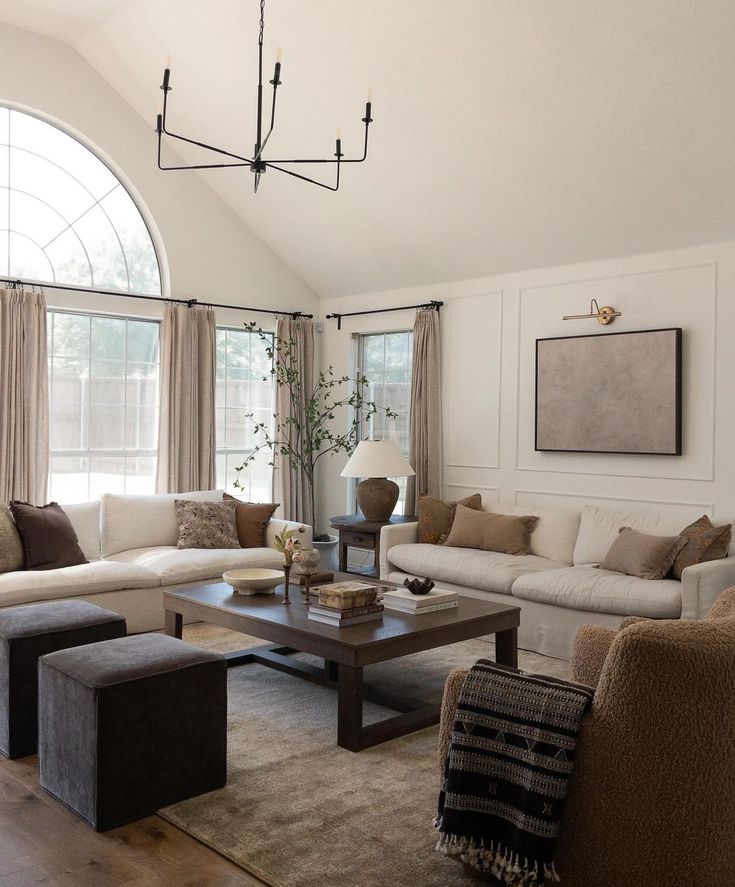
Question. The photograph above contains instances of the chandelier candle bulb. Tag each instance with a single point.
(278, 56)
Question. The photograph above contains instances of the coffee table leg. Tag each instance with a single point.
(349, 707)
(506, 647)
(331, 670)
(174, 624)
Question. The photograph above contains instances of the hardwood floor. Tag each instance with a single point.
(41, 842)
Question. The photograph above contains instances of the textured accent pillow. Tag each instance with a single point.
(641, 555)
(506, 533)
(704, 542)
(206, 524)
(11, 546)
(252, 519)
(49, 540)
(436, 517)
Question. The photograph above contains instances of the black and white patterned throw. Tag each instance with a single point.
(514, 741)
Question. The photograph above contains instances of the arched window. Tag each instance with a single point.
(65, 217)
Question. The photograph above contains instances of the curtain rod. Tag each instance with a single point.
(189, 302)
(338, 317)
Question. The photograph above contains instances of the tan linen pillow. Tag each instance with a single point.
(704, 542)
(641, 555)
(206, 524)
(252, 519)
(436, 517)
(11, 546)
(506, 533)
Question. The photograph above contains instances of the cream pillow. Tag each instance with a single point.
(506, 533)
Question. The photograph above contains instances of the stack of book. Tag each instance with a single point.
(345, 603)
(402, 600)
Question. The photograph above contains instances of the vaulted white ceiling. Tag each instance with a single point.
(508, 134)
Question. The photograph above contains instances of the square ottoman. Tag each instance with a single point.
(131, 725)
(27, 633)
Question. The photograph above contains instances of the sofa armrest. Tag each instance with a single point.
(276, 526)
(701, 585)
(394, 534)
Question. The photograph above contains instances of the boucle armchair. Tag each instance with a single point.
(652, 799)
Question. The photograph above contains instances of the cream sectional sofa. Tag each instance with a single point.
(130, 543)
(559, 585)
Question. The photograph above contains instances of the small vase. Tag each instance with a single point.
(286, 570)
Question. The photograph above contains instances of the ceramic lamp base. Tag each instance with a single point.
(377, 497)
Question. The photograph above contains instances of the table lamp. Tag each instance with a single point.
(377, 460)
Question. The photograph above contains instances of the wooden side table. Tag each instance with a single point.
(357, 532)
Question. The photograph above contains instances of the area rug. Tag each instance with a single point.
(298, 811)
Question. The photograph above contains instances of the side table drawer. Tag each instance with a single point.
(365, 540)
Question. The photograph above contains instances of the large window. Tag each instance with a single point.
(244, 386)
(103, 383)
(64, 216)
(385, 359)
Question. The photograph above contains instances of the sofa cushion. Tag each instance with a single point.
(555, 534)
(641, 555)
(486, 570)
(206, 524)
(83, 579)
(599, 528)
(173, 565)
(704, 542)
(85, 518)
(49, 540)
(506, 533)
(437, 516)
(129, 522)
(590, 588)
(11, 546)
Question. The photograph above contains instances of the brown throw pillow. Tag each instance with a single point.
(11, 546)
(252, 519)
(436, 517)
(206, 524)
(49, 540)
(704, 542)
(641, 555)
(506, 533)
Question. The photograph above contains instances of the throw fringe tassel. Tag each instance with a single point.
(501, 862)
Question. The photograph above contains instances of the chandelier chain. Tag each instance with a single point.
(262, 21)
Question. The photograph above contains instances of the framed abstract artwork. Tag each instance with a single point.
(610, 393)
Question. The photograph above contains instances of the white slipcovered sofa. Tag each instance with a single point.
(130, 543)
(559, 585)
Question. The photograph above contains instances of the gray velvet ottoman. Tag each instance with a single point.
(27, 633)
(131, 725)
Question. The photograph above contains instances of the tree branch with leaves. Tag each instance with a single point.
(308, 431)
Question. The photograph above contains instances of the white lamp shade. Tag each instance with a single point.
(377, 458)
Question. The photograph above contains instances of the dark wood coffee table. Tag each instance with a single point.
(345, 651)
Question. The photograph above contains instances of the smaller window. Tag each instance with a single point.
(103, 393)
(244, 387)
(386, 359)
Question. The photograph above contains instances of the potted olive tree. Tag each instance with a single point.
(305, 435)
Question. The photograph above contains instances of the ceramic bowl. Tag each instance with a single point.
(254, 580)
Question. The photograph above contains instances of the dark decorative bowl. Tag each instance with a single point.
(419, 586)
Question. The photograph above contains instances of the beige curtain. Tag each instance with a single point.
(425, 447)
(24, 430)
(186, 430)
(290, 484)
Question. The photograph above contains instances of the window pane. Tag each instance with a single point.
(67, 204)
(242, 364)
(69, 480)
(27, 259)
(102, 404)
(386, 360)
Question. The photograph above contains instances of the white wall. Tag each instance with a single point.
(489, 332)
(212, 256)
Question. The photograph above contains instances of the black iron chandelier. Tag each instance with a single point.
(257, 163)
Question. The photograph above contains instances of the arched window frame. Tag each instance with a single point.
(121, 181)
